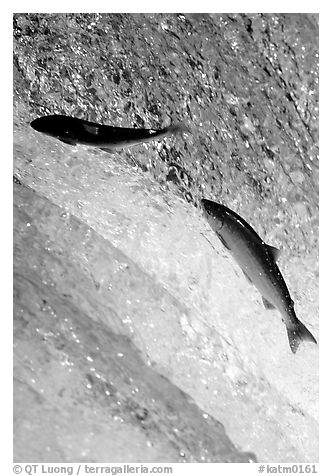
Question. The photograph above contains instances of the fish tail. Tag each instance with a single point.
(176, 129)
(298, 333)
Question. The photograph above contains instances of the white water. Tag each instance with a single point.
(201, 324)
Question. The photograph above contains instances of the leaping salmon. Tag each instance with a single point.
(72, 130)
(258, 263)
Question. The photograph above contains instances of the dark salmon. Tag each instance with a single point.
(72, 130)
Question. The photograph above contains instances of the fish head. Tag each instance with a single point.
(214, 213)
(46, 124)
(54, 126)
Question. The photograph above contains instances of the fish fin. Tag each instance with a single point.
(176, 129)
(222, 241)
(105, 149)
(94, 130)
(68, 141)
(274, 252)
(298, 333)
(246, 276)
(267, 304)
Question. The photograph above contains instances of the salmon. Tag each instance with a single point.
(258, 262)
(73, 131)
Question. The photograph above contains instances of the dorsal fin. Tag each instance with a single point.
(274, 252)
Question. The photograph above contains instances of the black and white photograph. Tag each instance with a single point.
(165, 242)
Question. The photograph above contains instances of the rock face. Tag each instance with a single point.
(136, 336)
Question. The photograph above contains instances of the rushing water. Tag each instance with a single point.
(247, 87)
